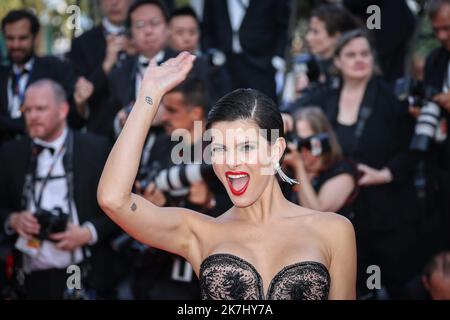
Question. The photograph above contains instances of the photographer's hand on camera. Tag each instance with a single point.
(114, 44)
(443, 100)
(152, 194)
(293, 158)
(122, 115)
(74, 237)
(288, 122)
(373, 177)
(24, 223)
(83, 91)
(414, 111)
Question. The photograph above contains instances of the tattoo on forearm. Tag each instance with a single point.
(149, 100)
(133, 207)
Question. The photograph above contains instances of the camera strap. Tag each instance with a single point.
(68, 168)
(37, 203)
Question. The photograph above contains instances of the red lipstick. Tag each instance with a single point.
(233, 177)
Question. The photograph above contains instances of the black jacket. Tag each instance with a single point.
(384, 142)
(44, 67)
(438, 160)
(263, 32)
(87, 54)
(90, 153)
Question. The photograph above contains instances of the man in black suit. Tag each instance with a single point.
(184, 28)
(95, 53)
(20, 28)
(253, 34)
(437, 76)
(55, 174)
(147, 24)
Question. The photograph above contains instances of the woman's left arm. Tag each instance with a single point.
(343, 260)
(331, 196)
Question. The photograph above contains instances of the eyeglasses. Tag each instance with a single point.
(141, 24)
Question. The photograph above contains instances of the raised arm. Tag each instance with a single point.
(170, 229)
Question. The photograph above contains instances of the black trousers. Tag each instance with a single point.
(46, 284)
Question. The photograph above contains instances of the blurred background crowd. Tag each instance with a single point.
(363, 87)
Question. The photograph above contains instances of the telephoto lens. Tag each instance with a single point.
(426, 127)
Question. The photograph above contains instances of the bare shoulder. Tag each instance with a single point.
(322, 219)
(331, 226)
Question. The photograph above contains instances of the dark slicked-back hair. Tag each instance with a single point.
(16, 15)
(248, 104)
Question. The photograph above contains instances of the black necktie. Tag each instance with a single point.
(15, 81)
(37, 149)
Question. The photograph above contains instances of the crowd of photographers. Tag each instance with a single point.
(364, 139)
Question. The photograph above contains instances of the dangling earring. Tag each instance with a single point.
(283, 176)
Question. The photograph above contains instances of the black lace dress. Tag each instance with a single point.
(228, 277)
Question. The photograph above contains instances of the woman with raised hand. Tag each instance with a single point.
(264, 247)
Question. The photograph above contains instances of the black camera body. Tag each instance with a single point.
(415, 91)
(420, 95)
(306, 63)
(50, 222)
(318, 144)
(215, 57)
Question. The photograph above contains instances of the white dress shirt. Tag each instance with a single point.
(237, 10)
(112, 28)
(15, 100)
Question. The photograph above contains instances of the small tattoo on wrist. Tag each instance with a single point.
(149, 100)
(133, 207)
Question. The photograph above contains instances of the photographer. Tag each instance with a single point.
(184, 28)
(48, 204)
(94, 55)
(148, 24)
(326, 24)
(163, 275)
(437, 159)
(328, 182)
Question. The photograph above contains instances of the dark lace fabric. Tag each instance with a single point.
(228, 277)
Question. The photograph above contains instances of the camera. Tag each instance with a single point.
(427, 126)
(318, 144)
(215, 57)
(176, 179)
(51, 221)
(306, 63)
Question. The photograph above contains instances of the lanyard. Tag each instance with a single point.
(16, 89)
(37, 203)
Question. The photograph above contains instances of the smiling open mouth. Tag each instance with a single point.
(238, 182)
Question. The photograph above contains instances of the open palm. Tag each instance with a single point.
(167, 76)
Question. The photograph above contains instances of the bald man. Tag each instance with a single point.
(48, 206)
